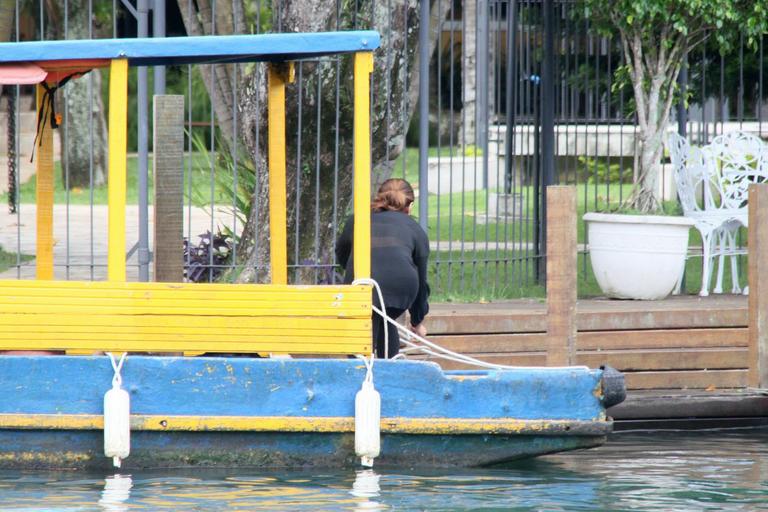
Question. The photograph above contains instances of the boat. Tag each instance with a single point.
(226, 411)
(294, 403)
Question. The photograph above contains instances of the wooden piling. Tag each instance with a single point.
(561, 275)
(758, 286)
(168, 163)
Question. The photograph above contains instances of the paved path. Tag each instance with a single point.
(80, 252)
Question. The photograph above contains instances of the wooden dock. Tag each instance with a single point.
(685, 359)
(684, 342)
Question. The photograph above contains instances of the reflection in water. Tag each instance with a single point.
(117, 490)
(656, 471)
(366, 486)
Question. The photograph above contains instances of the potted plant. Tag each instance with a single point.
(656, 37)
(637, 256)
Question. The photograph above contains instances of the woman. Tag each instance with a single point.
(399, 253)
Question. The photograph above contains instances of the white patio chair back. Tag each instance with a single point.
(739, 160)
(691, 176)
(706, 198)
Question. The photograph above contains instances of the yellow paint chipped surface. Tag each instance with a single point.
(435, 426)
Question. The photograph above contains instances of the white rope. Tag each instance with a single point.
(383, 315)
(433, 349)
(117, 380)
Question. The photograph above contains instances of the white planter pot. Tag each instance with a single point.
(637, 256)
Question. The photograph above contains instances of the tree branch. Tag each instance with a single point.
(639, 78)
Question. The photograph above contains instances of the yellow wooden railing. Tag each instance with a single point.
(187, 317)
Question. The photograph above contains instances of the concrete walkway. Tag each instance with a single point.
(80, 250)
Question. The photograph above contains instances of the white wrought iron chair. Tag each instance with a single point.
(739, 159)
(702, 196)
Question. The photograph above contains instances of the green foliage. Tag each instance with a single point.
(472, 150)
(228, 181)
(258, 16)
(661, 22)
(601, 170)
(177, 82)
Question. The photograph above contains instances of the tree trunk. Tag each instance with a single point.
(220, 79)
(391, 104)
(7, 19)
(654, 74)
(84, 135)
(311, 172)
(651, 143)
(469, 72)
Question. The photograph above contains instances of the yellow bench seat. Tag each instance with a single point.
(184, 317)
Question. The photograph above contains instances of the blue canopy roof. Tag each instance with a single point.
(193, 50)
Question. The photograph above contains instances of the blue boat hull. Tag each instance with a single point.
(291, 413)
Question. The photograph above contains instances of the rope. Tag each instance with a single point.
(383, 315)
(369, 368)
(48, 108)
(433, 349)
(117, 380)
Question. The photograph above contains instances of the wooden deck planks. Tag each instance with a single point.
(679, 343)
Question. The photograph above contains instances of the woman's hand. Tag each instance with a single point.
(420, 329)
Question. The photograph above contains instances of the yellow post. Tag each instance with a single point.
(118, 127)
(362, 141)
(280, 73)
(44, 179)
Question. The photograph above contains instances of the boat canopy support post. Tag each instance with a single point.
(561, 275)
(44, 183)
(279, 74)
(758, 286)
(363, 67)
(118, 127)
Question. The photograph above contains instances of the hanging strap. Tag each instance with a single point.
(48, 107)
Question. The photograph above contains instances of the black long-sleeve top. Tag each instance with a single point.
(399, 254)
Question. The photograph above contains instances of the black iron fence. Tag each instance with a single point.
(519, 95)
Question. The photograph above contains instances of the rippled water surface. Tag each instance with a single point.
(654, 471)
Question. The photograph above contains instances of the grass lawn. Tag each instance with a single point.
(505, 275)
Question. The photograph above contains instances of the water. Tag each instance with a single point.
(725, 470)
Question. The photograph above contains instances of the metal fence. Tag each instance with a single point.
(519, 95)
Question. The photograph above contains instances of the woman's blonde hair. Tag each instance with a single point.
(395, 195)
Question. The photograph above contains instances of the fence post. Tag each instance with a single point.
(547, 103)
(423, 112)
(142, 18)
(758, 286)
(168, 169)
(561, 275)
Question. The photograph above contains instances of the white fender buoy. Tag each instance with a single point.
(367, 421)
(117, 419)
